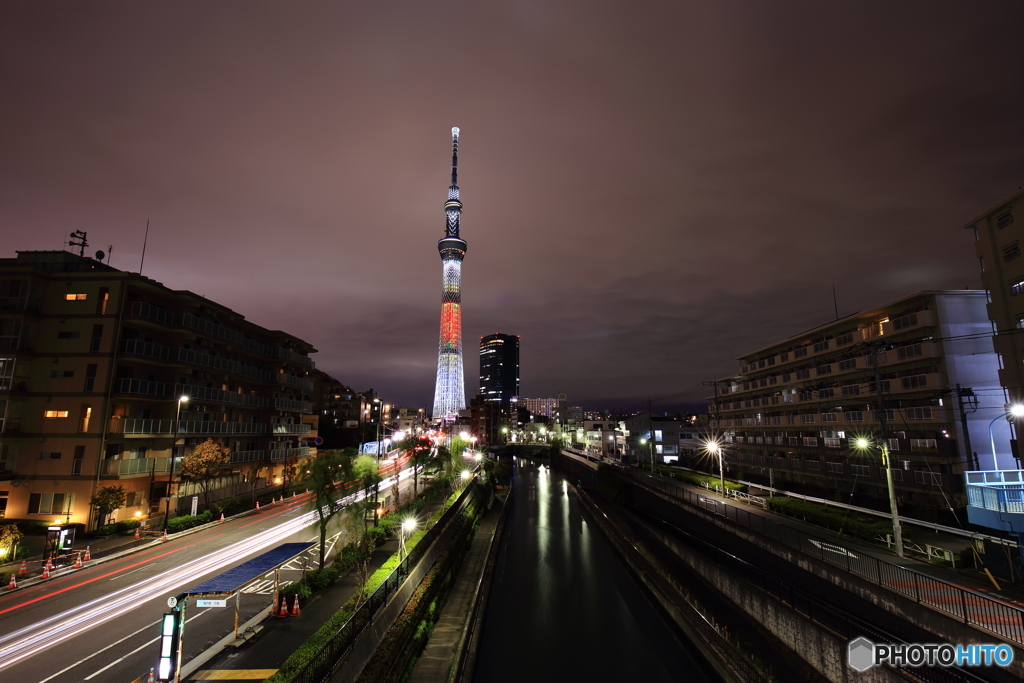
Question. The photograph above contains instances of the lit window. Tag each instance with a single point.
(55, 413)
(75, 297)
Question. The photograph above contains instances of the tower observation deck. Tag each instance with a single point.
(449, 391)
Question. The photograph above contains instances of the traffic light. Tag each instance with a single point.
(170, 633)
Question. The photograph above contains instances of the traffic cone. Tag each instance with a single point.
(282, 611)
(165, 539)
(295, 604)
(257, 506)
(78, 561)
(137, 535)
(152, 678)
(24, 568)
(87, 556)
(13, 584)
(46, 570)
(222, 517)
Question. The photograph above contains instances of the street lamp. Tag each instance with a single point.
(714, 448)
(407, 528)
(897, 530)
(174, 445)
(1014, 411)
(650, 450)
(466, 476)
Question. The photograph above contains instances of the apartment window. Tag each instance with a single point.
(97, 336)
(921, 413)
(76, 464)
(50, 455)
(783, 357)
(1004, 220)
(881, 358)
(62, 373)
(806, 395)
(912, 351)
(834, 467)
(785, 377)
(928, 478)
(103, 300)
(904, 322)
(889, 415)
(1011, 252)
(848, 364)
(771, 360)
(803, 374)
(791, 419)
(920, 444)
(760, 363)
(894, 444)
(821, 346)
(873, 388)
(75, 297)
(854, 416)
(90, 376)
(824, 369)
(851, 390)
(829, 417)
(794, 441)
(50, 503)
(68, 335)
(826, 393)
(915, 382)
(800, 353)
(844, 339)
(1016, 287)
(774, 379)
(812, 464)
(775, 420)
(897, 475)
(55, 413)
(86, 415)
(860, 470)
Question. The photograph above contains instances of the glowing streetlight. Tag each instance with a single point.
(466, 476)
(712, 447)
(408, 526)
(174, 445)
(1016, 410)
(864, 444)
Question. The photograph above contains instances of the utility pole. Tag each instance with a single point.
(970, 457)
(896, 528)
(650, 421)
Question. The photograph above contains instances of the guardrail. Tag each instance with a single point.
(970, 607)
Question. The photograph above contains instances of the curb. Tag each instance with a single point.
(211, 652)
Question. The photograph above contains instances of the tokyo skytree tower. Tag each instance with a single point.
(449, 392)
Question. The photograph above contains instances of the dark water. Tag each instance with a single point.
(562, 608)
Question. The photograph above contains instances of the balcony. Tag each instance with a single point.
(221, 332)
(294, 357)
(292, 429)
(136, 427)
(150, 312)
(289, 453)
(240, 457)
(127, 468)
(141, 387)
(137, 347)
(995, 499)
(225, 364)
(294, 381)
(208, 394)
(289, 404)
(18, 303)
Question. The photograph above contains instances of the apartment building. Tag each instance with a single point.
(340, 411)
(664, 433)
(918, 372)
(94, 363)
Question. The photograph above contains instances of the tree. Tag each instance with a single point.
(420, 453)
(252, 475)
(325, 476)
(10, 537)
(203, 463)
(367, 473)
(106, 500)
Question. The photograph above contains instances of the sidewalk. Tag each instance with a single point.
(434, 665)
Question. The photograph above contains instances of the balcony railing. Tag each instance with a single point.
(289, 404)
(208, 394)
(220, 331)
(139, 427)
(239, 457)
(998, 490)
(226, 364)
(148, 349)
(289, 453)
(124, 468)
(19, 303)
(287, 354)
(138, 386)
(292, 429)
(144, 310)
(293, 381)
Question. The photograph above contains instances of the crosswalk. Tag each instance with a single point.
(306, 561)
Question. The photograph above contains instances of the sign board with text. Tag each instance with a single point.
(211, 603)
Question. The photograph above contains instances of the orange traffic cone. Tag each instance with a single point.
(222, 516)
(152, 679)
(282, 611)
(137, 535)
(295, 605)
(87, 556)
(257, 506)
(165, 539)
(13, 584)
(46, 570)
(78, 561)
(24, 568)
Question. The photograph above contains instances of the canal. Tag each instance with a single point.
(562, 607)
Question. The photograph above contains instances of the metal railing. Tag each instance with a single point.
(292, 429)
(217, 330)
(294, 381)
(208, 394)
(144, 310)
(286, 354)
(142, 348)
(226, 364)
(998, 490)
(248, 456)
(166, 427)
(970, 607)
(291, 404)
(289, 453)
(140, 386)
(326, 660)
(124, 468)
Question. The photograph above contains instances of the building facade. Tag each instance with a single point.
(917, 374)
(340, 411)
(499, 368)
(94, 365)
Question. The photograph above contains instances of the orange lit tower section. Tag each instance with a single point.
(449, 392)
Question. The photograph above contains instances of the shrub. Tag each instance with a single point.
(127, 525)
(828, 517)
(188, 521)
(106, 530)
(319, 579)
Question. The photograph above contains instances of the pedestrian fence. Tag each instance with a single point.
(975, 609)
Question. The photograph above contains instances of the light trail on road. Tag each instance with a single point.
(43, 635)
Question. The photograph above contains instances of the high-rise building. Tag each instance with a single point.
(449, 391)
(499, 368)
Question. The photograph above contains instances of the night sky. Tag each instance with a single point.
(650, 189)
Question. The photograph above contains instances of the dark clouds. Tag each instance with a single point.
(650, 189)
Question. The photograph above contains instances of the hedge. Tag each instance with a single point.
(188, 521)
(36, 527)
(714, 483)
(828, 517)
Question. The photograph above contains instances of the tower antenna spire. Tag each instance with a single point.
(455, 157)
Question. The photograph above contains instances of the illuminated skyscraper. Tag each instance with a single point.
(450, 392)
(499, 368)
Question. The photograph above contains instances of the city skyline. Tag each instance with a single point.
(655, 191)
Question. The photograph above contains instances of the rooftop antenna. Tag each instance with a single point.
(82, 242)
(100, 255)
(110, 250)
(144, 240)
(834, 302)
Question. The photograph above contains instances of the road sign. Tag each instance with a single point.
(211, 603)
(195, 505)
(172, 602)
(318, 441)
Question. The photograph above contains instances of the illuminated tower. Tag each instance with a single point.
(449, 392)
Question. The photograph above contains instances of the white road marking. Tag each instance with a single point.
(141, 647)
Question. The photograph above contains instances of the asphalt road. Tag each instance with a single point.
(100, 623)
